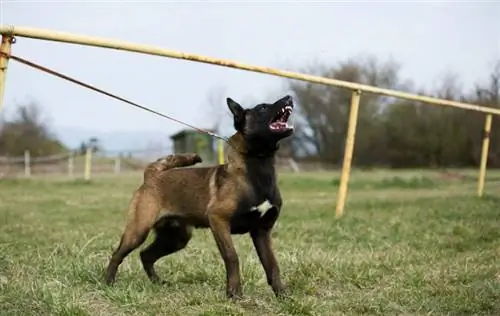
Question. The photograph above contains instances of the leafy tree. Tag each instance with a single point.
(27, 131)
(323, 111)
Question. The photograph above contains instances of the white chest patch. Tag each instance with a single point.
(263, 207)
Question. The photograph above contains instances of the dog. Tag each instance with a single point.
(239, 197)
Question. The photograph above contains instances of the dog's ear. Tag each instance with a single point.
(235, 108)
(238, 113)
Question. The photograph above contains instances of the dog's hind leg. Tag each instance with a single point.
(172, 235)
(141, 217)
(128, 242)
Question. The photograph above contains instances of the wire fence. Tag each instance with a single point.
(85, 164)
(75, 163)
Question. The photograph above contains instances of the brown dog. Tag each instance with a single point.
(239, 197)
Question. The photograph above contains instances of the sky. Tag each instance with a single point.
(428, 38)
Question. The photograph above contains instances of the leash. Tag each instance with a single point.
(88, 86)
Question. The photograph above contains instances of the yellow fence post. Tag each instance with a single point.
(220, 151)
(484, 155)
(118, 163)
(70, 164)
(5, 48)
(88, 163)
(349, 148)
(27, 164)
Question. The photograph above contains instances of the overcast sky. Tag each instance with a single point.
(427, 38)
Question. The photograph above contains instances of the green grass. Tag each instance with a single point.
(410, 243)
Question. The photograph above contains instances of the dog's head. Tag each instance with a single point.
(265, 122)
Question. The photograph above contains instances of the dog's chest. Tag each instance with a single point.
(260, 209)
(261, 205)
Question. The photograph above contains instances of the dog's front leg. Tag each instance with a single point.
(261, 238)
(222, 233)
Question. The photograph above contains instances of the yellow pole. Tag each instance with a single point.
(70, 164)
(80, 39)
(88, 163)
(27, 164)
(5, 48)
(484, 155)
(220, 151)
(349, 148)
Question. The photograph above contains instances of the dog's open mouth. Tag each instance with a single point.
(280, 121)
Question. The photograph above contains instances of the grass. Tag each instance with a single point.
(410, 243)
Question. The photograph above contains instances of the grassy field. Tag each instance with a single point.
(410, 243)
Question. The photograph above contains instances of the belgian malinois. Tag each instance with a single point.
(239, 197)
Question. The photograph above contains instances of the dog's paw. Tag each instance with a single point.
(109, 282)
(282, 292)
(158, 281)
(234, 295)
(235, 298)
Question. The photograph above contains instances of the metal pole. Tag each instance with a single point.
(118, 164)
(70, 165)
(349, 149)
(88, 163)
(484, 155)
(80, 39)
(220, 151)
(27, 164)
(5, 49)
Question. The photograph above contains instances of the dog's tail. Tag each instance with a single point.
(170, 162)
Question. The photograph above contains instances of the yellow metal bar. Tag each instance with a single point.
(349, 148)
(152, 50)
(5, 48)
(220, 150)
(484, 155)
(88, 163)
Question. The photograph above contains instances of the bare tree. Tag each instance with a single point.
(323, 111)
(217, 109)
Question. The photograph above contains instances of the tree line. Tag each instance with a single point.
(392, 132)
(27, 130)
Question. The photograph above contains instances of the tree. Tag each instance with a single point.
(93, 143)
(323, 110)
(217, 109)
(27, 131)
(424, 135)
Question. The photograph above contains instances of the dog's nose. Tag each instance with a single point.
(288, 99)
